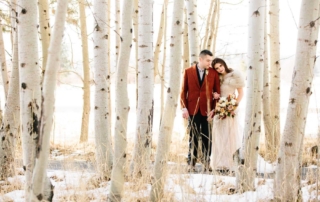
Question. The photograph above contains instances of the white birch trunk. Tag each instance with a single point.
(208, 27)
(246, 173)
(186, 58)
(164, 140)
(269, 143)
(122, 105)
(3, 63)
(109, 33)
(274, 78)
(135, 22)
(109, 65)
(142, 149)
(30, 93)
(287, 181)
(11, 119)
(48, 103)
(117, 27)
(193, 35)
(44, 22)
(211, 45)
(160, 38)
(86, 73)
(164, 59)
(101, 77)
(186, 64)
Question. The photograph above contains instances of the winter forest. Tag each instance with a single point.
(90, 99)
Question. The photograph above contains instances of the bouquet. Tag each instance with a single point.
(226, 106)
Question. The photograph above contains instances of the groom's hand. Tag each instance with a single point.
(185, 113)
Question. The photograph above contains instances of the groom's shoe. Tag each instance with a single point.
(191, 168)
(207, 167)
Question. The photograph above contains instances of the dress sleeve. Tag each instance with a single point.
(237, 79)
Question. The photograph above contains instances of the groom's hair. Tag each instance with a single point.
(205, 52)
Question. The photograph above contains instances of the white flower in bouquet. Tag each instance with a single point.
(223, 99)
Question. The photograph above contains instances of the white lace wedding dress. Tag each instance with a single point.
(226, 134)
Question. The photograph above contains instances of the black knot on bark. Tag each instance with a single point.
(23, 85)
(39, 197)
(308, 90)
(256, 13)
(312, 24)
(23, 11)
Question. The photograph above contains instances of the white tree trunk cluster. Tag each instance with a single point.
(287, 181)
(11, 118)
(48, 103)
(166, 127)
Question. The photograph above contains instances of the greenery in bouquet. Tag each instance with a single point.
(226, 106)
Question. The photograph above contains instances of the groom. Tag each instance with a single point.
(198, 85)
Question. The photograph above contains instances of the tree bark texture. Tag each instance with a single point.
(30, 90)
(287, 180)
(166, 127)
(193, 35)
(142, 149)
(101, 77)
(86, 73)
(246, 173)
(122, 105)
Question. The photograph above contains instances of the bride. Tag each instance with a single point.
(226, 136)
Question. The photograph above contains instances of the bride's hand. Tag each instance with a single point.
(210, 115)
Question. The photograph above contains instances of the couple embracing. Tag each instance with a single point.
(211, 93)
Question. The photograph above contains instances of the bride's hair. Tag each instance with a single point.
(221, 61)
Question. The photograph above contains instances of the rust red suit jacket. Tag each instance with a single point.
(195, 97)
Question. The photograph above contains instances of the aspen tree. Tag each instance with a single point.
(166, 127)
(122, 105)
(287, 181)
(143, 139)
(39, 182)
(246, 173)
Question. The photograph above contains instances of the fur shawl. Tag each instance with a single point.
(234, 79)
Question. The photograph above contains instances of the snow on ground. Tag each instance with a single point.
(83, 185)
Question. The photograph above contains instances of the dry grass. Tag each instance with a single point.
(308, 157)
(10, 185)
(137, 189)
